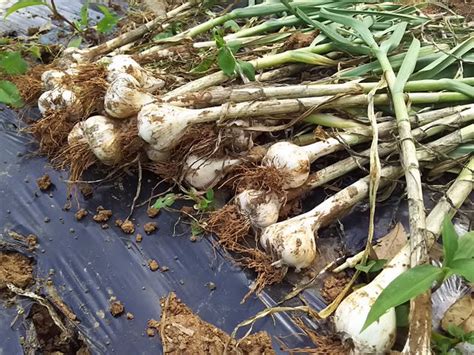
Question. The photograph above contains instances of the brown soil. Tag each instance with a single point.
(300, 40)
(150, 227)
(44, 183)
(183, 332)
(116, 308)
(152, 212)
(128, 227)
(49, 336)
(138, 238)
(16, 269)
(86, 190)
(80, 214)
(102, 215)
(333, 286)
(153, 265)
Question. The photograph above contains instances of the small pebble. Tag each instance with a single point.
(47, 220)
(193, 238)
(72, 230)
(130, 316)
(138, 238)
(211, 286)
(165, 268)
(153, 265)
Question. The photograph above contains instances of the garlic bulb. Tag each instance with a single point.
(103, 138)
(156, 155)
(60, 100)
(52, 79)
(124, 64)
(351, 314)
(291, 160)
(124, 98)
(260, 207)
(202, 173)
(162, 125)
(291, 242)
(76, 135)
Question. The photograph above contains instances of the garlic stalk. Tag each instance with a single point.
(124, 97)
(299, 231)
(162, 125)
(353, 310)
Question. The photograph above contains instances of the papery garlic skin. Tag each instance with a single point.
(124, 64)
(52, 79)
(162, 125)
(103, 138)
(60, 100)
(124, 98)
(292, 242)
(156, 155)
(291, 160)
(76, 135)
(242, 139)
(202, 173)
(260, 207)
(351, 314)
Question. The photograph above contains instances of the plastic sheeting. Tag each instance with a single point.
(88, 264)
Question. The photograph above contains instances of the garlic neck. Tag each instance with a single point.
(202, 173)
(322, 148)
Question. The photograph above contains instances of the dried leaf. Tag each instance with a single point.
(389, 245)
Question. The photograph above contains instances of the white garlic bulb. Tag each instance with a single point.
(103, 138)
(260, 207)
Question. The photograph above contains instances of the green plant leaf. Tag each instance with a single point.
(442, 343)
(401, 312)
(465, 247)
(204, 66)
(450, 241)
(12, 63)
(22, 4)
(247, 69)
(456, 331)
(463, 267)
(394, 41)
(75, 42)
(372, 266)
(35, 51)
(408, 66)
(226, 61)
(84, 15)
(163, 35)
(210, 195)
(108, 22)
(9, 94)
(408, 285)
(166, 201)
(232, 25)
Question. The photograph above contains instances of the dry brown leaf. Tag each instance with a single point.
(389, 245)
(460, 314)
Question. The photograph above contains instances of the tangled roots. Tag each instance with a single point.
(232, 230)
(252, 176)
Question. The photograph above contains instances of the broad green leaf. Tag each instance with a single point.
(408, 66)
(456, 85)
(463, 267)
(108, 22)
(210, 195)
(167, 201)
(372, 266)
(226, 61)
(247, 69)
(75, 42)
(442, 343)
(219, 39)
(22, 4)
(9, 94)
(450, 241)
(465, 246)
(12, 63)
(395, 39)
(401, 312)
(408, 285)
(456, 331)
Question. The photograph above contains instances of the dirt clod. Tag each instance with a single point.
(138, 238)
(150, 332)
(152, 212)
(102, 215)
(80, 214)
(128, 227)
(130, 316)
(150, 227)
(333, 286)
(153, 265)
(116, 308)
(44, 183)
(16, 269)
(198, 337)
(86, 190)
